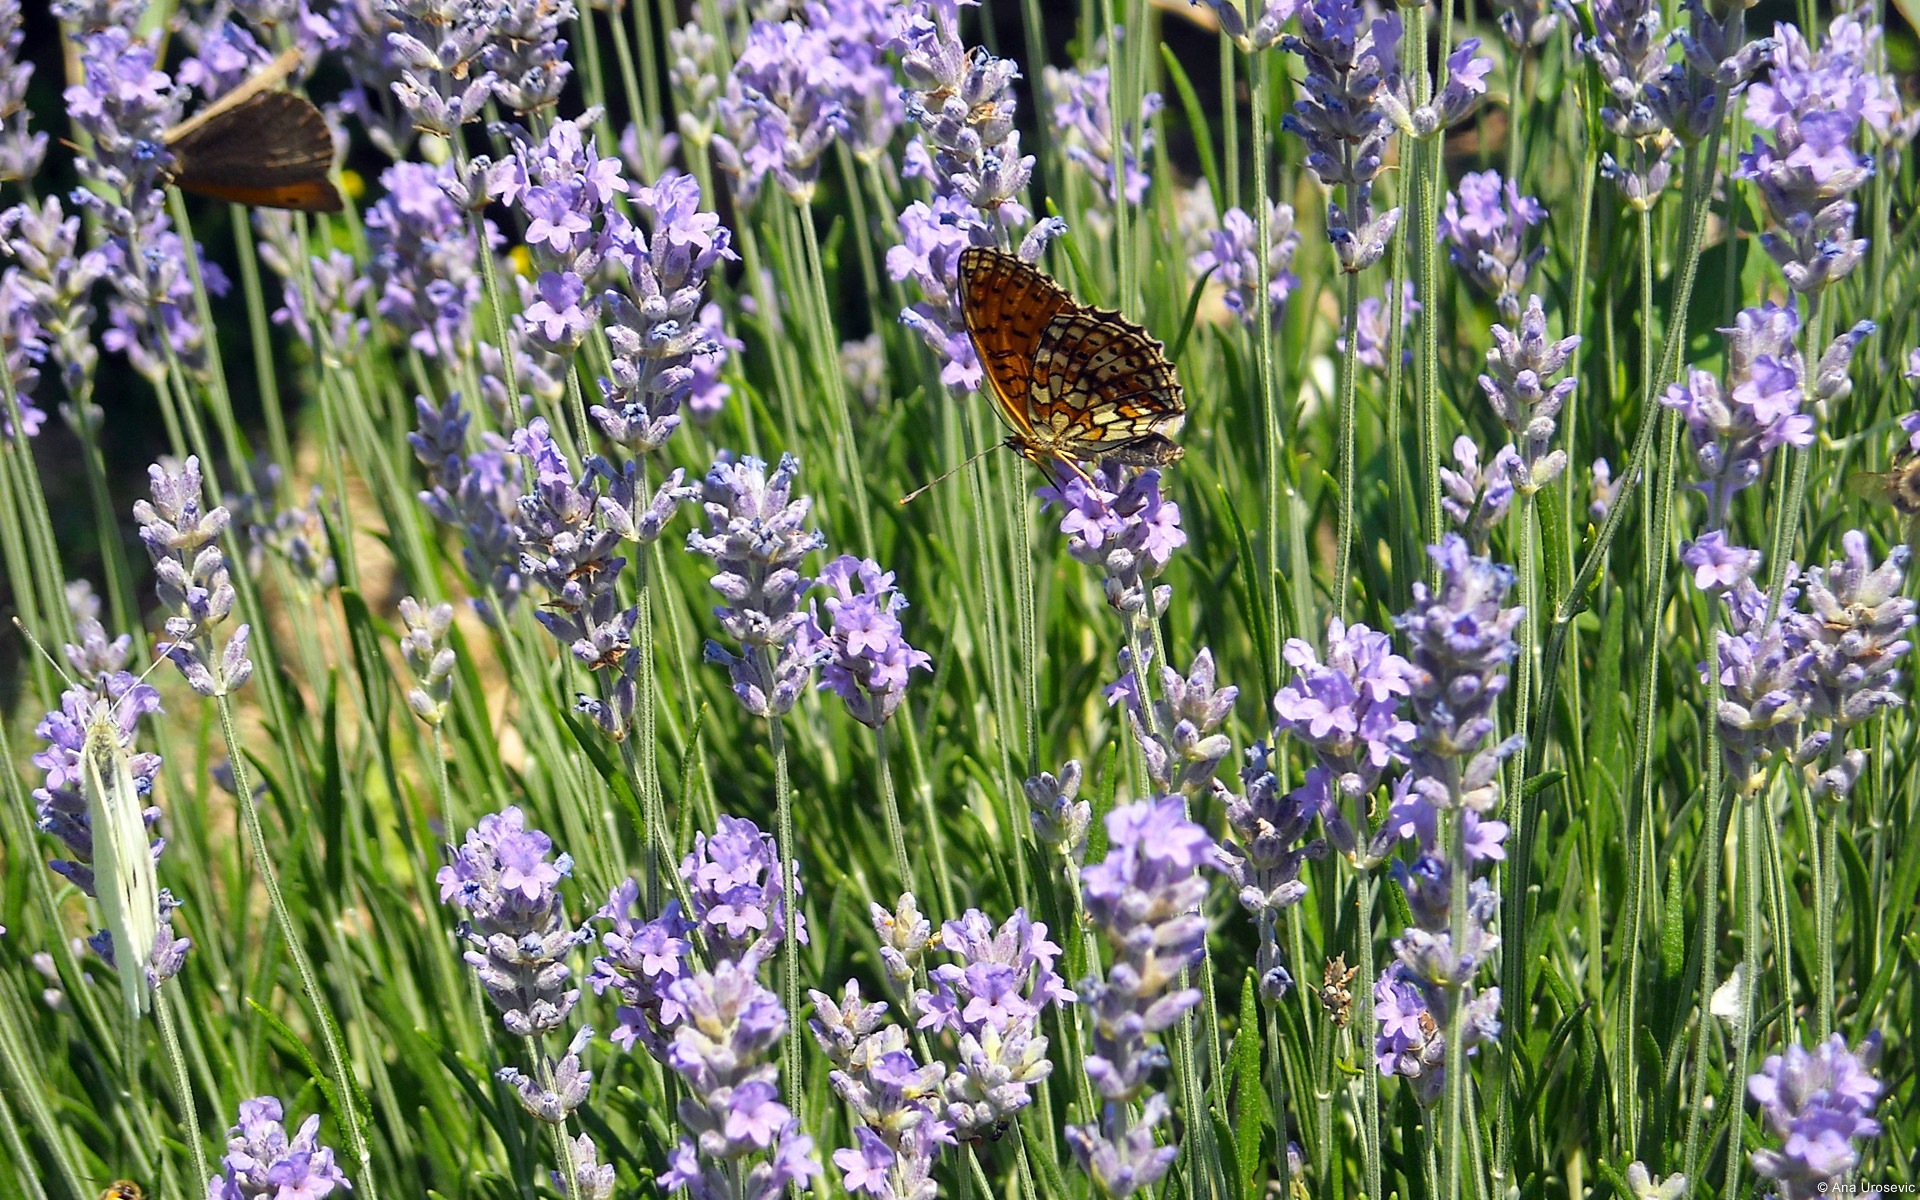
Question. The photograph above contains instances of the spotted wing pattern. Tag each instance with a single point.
(1006, 305)
(1102, 388)
(1074, 382)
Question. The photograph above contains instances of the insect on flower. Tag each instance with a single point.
(123, 1189)
(256, 146)
(1073, 382)
(1899, 488)
(124, 879)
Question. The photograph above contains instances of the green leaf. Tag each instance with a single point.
(1197, 124)
(1193, 307)
(1249, 1096)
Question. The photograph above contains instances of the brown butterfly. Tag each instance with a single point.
(1074, 383)
(260, 147)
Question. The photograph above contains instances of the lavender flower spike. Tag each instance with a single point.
(1819, 1103)
(1347, 710)
(515, 920)
(263, 1163)
(869, 658)
(897, 1101)
(191, 579)
(428, 656)
(1484, 227)
(992, 1001)
(1461, 641)
(745, 1144)
(1145, 898)
(755, 537)
(1858, 630)
(1269, 847)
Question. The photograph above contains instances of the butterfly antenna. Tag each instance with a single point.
(949, 473)
(44, 652)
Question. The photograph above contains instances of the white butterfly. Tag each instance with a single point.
(124, 879)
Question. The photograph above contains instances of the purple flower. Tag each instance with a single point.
(1083, 116)
(1484, 226)
(1528, 24)
(1520, 388)
(1733, 430)
(706, 392)
(782, 110)
(54, 283)
(21, 150)
(479, 494)
(756, 539)
(1765, 689)
(263, 1163)
(667, 341)
(1819, 1104)
(1372, 332)
(969, 151)
(568, 532)
(23, 346)
(1460, 641)
(1474, 500)
(990, 1002)
(1717, 564)
(436, 49)
(1855, 633)
(1145, 898)
(898, 1101)
(858, 31)
(516, 921)
(643, 960)
(296, 534)
(1123, 526)
(1347, 710)
(868, 655)
(1631, 54)
(1412, 1041)
(1233, 255)
(738, 903)
(92, 826)
(744, 1142)
(1353, 67)
(1811, 108)
(1268, 848)
(181, 536)
(527, 55)
(1263, 31)
(422, 260)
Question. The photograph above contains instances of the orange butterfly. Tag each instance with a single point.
(1074, 383)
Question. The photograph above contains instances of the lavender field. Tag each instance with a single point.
(1445, 733)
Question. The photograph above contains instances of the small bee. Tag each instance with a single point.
(1899, 487)
(125, 1189)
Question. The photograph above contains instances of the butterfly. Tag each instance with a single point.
(1074, 383)
(256, 146)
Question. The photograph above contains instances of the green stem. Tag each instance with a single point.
(890, 808)
(790, 907)
(1349, 367)
(182, 1085)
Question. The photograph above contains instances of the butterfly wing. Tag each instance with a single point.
(1006, 305)
(274, 151)
(1103, 388)
(123, 875)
